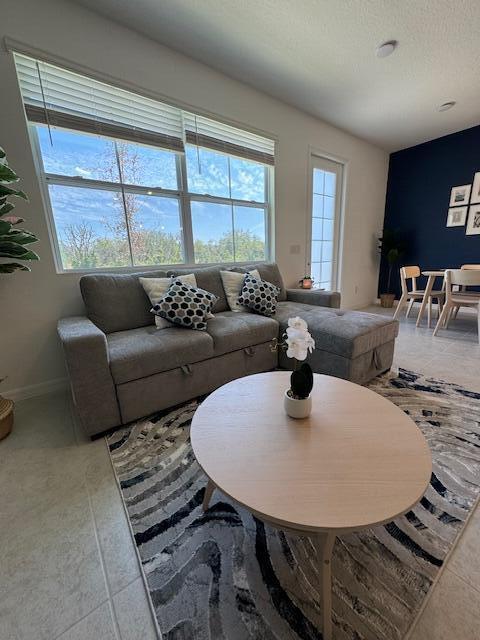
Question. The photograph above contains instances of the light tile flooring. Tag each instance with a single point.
(68, 567)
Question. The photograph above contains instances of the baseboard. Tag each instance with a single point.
(364, 305)
(33, 390)
(395, 302)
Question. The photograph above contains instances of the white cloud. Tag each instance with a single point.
(83, 172)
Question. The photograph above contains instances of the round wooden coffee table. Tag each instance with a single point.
(356, 462)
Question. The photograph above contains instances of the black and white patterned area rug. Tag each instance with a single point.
(225, 575)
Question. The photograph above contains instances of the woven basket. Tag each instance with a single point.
(6, 417)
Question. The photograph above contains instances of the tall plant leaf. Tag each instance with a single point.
(19, 236)
(10, 267)
(7, 174)
(5, 227)
(5, 208)
(8, 191)
(14, 250)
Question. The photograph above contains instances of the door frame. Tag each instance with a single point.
(316, 153)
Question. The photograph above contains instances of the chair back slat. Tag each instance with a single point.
(470, 267)
(409, 273)
(462, 277)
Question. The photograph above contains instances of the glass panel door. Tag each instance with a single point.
(326, 189)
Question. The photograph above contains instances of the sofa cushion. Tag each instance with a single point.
(156, 288)
(142, 352)
(233, 330)
(117, 302)
(270, 272)
(208, 278)
(186, 305)
(345, 333)
(259, 295)
(232, 281)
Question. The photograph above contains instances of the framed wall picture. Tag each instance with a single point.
(475, 197)
(473, 226)
(460, 195)
(457, 216)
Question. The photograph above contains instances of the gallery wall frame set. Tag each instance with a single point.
(460, 199)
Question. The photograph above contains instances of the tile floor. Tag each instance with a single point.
(68, 568)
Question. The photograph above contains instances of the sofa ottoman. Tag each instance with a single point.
(353, 345)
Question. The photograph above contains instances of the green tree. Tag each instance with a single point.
(77, 246)
(81, 247)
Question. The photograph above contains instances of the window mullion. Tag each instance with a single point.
(228, 201)
(124, 200)
(87, 183)
(269, 241)
(231, 209)
(185, 209)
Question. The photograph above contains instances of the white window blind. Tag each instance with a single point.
(59, 97)
(221, 137)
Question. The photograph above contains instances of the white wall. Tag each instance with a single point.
(31, 303)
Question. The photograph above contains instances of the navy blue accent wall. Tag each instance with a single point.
(418, 194)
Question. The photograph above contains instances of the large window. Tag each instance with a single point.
(108, 200)
(228, 202)
(164, 192)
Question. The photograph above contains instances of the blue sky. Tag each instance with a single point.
(93, 157)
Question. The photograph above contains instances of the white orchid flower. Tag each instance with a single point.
(298, 340)
(295, 334)
(296, 349)
(298, 323)
(310, 343)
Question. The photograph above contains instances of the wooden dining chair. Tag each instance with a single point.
(414, 294)
(462, 278)
(466, 267)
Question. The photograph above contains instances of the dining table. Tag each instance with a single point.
(431, 275)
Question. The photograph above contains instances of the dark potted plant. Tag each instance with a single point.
(391, 249)
(13, 244)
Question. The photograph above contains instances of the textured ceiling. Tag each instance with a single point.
(319, 56)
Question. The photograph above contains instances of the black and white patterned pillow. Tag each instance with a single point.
(259, 295)
(185, 305)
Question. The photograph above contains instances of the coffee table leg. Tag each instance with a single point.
(327, 541)
(209, 489)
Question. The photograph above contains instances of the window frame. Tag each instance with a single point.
(182, 194)
(317, 156)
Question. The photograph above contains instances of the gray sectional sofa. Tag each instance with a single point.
(122, 368)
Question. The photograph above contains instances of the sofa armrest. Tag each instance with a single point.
(86, 354)
(316, 297)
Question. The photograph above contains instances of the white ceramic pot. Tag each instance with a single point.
(297, 408)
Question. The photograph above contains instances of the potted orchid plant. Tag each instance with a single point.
(298, 344)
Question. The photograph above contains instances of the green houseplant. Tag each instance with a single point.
(391, 249)
(13, 244)
(13, 241)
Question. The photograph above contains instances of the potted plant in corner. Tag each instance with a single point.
(298, 343)
(13, 244)
(391, 249)
(306, 282)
